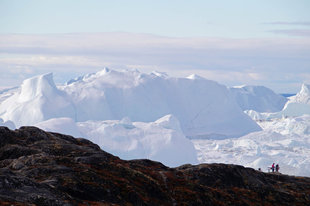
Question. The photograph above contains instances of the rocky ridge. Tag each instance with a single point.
(44, 168)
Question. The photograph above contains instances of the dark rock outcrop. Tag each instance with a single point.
(43, 168)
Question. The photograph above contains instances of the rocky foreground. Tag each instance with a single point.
(43, 168)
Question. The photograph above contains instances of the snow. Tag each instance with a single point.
(303, 96)
(194, 76)
(284, 141)
(37, 99)
(6, 93)
(285, 137)
(258, 98)
(161, 140)
(8, 124)
(171, 120)
(297, 105)
(62, 125)
(131, 114)
(204, 108)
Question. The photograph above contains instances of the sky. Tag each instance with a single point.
(256, 42)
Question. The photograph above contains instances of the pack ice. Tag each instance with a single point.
(285, 139)
(136, 115)
(258, 98)
(131, 114)
(37, 99)
(297, 105)
(161, 140)
(203, 107)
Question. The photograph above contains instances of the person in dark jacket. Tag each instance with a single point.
(277, 168)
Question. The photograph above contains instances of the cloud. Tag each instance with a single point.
(291, 23)
(122, 43)
(293, 32)
(229, 61)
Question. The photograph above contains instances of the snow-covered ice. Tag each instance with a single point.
(297, 105)
(303, 96)
(172, 120)
(162, 140)
(37, 99)
(283, 141)
(64, 125)
(8, 124)
(258, 98)
(203, 107)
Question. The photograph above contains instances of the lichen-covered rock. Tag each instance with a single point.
(42, 168)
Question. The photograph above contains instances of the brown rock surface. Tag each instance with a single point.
(43, 168)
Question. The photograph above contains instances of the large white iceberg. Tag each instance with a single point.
(161, 140)
(258, 98)
(297, 105)
(37, 99)
(204, 108)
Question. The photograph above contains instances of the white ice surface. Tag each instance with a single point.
(8, 124)
(203, 107)
(283, 141)
(258, 98)
(128, 114)
(297, 105)
(37, 99)
(161, 140)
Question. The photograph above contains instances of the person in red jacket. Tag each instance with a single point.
(272, 167)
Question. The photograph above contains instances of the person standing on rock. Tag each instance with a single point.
(272, 167)
(277, 168)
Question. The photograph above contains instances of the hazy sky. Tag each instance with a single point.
(175, 18)
(262, 42)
